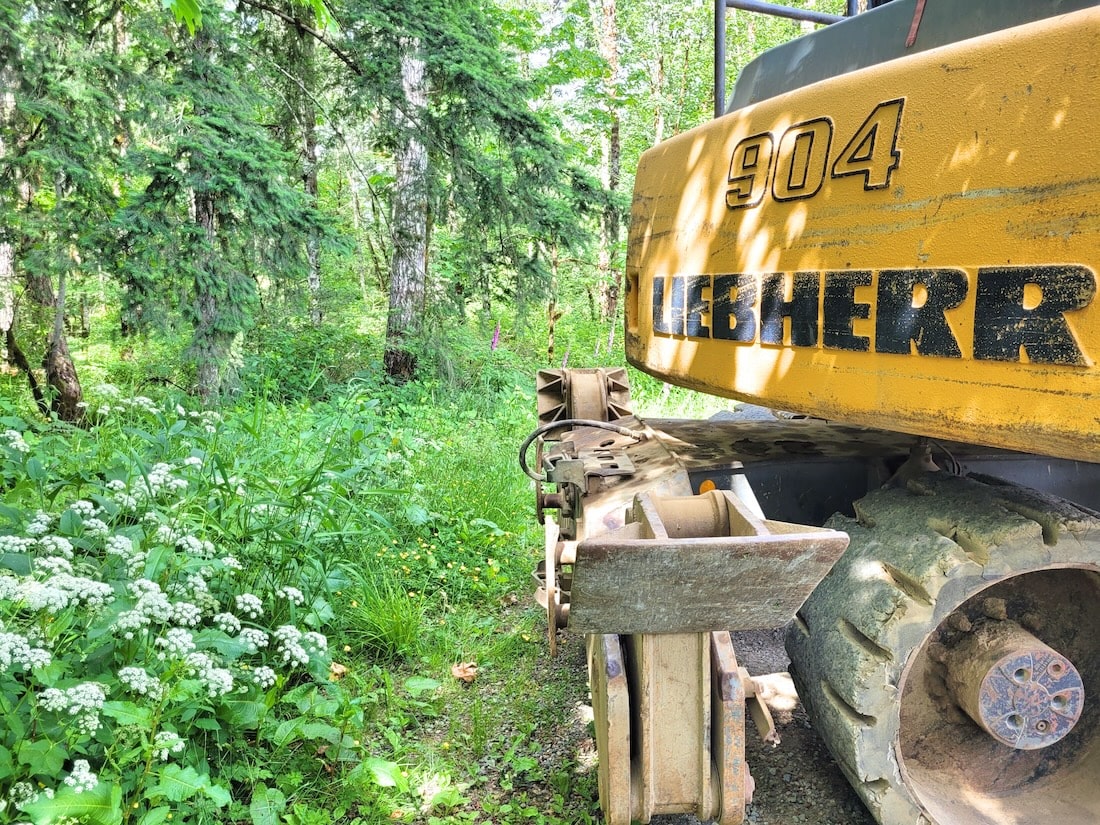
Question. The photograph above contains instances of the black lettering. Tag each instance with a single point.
(897, 321)
(734, 298)
(801, 309)
(1004, 325)
(676, 311)
(697, 306)
(840, 310)
(660, 319)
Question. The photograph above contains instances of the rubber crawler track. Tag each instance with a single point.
(924, 561)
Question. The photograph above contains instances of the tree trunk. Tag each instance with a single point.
(210, 346)
(305, 57)
(65, 403)
(609, 273)
(410, 220)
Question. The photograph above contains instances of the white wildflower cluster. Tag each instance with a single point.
(176, 643)
(131, 555)
(152, 606)
(14, 440)
(249, 606)
(166, 534)
(207, 419)
(231, 563)
(77, 590)
(17, 652)
(292, 595)
(167, 742)
(82, 702)
(81, 778)
(16, 544)
(294, 646)
(50, 565)
(217, 680)
(58, 545)
(253, 638)
(89, 517)
(159, 480)
(140, 681)
(186, 614)
(61, 590)
(96, 527)
(263, 677)
(122, 404)
(22, 793)
(84, 508)
(121, 495)
(194, 588)
(193, 461)
(227, 623)
(40, 524)
(195, 547)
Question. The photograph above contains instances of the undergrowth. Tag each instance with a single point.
(310, 606)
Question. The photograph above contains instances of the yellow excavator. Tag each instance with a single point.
(891, 236)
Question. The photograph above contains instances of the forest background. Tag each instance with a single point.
(275, 277)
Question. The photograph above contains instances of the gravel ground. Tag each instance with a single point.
(797, 781)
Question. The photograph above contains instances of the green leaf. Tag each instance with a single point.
(155, 816)
(35, 470)
(178, 784)
(70, 523)
(94, 806)
(267, 805)
(7, 767)
(387, 774)
(128, 713)
(416, 685)
(321, 730)
(18, 563)
(244, 714)
(42, 757)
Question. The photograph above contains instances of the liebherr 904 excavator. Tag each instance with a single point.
(893, 235)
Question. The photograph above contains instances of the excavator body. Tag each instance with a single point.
(892, 237)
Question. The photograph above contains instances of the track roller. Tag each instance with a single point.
(950, 658)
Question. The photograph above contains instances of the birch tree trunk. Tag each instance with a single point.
(609, 272)
(408, 264)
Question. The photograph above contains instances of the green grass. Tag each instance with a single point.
(401, 515)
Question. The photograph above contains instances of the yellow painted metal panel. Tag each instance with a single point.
(913, 246)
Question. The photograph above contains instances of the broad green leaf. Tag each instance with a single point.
(222, 642)
(70, 523)
(11, 513)
(35, 470)
(387, 774)
(243, 713)
(321, 730)
(42, 756)
(177, 784)
(155, 816)
(128, 713)
(94, 807)
(416, 685)
(18, 563)
(286, 733)
(267, 805)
